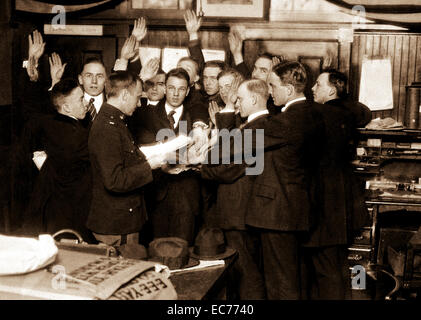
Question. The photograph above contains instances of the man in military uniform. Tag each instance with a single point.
(119, 169)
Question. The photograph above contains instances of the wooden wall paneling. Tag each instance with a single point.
(397, 74)
(395, 63)
(344, 57)
(403, 78)
(361, 53)
(383, 52)
(353, 72)
(418, 61)
(412, 59)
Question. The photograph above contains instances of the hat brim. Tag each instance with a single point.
(228, 253)
(191, 263)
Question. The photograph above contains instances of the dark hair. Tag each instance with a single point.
(178, 73)
(292, 73)
(61, 90)
(265, 55)
(338, 80)
(118, 81)
(92, 60)
(215, 64)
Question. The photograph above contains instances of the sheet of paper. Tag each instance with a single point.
(148, 53)
(163, 148)
(376, 84)
(170, 57)
(210, 54)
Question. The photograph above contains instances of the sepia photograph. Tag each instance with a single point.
(222, 158)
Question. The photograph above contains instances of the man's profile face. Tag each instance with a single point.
(262, 69)
(322, 90)
(210, 80)
(75, 103)
(245, 101)
(277, 90)
(93, 78)
(176, 90)
(191, 69)
(225, 86)
(155, 87)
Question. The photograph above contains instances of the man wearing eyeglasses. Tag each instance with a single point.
(92, 79)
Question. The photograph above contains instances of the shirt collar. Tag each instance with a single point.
(253, 116)
(177, 114)
(291, 102)
(98, 100)
(153, 103)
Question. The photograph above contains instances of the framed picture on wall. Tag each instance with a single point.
(255, 9)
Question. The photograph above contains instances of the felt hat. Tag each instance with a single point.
(172, 252)
(210, 245)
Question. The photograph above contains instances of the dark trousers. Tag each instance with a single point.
(249, 283)
(168, 223)
(327, 273)
(281, 265)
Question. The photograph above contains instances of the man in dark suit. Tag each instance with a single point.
(62, 195)
(119, 169)
(234, 191)
(341, 207)
(280, 207)
(177, 196)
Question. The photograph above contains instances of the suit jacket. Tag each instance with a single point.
(119, 171)
(282, 196)
(341, 208)
(62, 194)
(234, 188)
(186, 183)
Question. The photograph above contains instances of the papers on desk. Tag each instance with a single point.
(202, 265)
(162, 148)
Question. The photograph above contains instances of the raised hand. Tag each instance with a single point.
(213, 109)
(150, 69)
(236, 46)
(56, 68)
(139, 29)
(128, 50)
(36, 45)
(192, 23)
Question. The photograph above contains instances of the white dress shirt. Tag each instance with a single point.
(98, 100)
(176, 115)
(152, 103)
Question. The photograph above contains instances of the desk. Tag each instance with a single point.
(209, 283)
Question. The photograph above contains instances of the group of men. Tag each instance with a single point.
(290, 221)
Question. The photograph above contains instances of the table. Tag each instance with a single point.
(209, 283)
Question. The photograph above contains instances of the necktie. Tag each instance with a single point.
(171, 119)
(91, 109)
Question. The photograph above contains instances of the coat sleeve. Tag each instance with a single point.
(117, 176)
(196, 54)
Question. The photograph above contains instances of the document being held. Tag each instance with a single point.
(161, 148)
